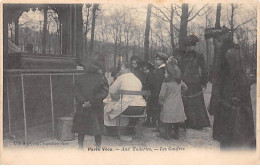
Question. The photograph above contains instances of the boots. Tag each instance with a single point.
(148, 122)
(80, 141)
(168, 131)
(98, 141)
(165, 131)
(176, 132)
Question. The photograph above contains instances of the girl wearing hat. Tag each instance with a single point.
(170, 98)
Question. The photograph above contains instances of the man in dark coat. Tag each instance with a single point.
(194, 75)
(230, 101)
(155, 86)
(148, 72)
(90, 90)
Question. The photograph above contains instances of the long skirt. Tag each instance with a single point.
(194, 107)
(233, 123)
(89, 121)
(237, 129)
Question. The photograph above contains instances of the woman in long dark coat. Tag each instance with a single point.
(91, 89)
(194, 75)
(230, 101)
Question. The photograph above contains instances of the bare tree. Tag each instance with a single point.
(207, 43)
(147, 33)
(185, 18)
(44, 33)
(232, 22)
(183, 25)
(94, 9)
(114, 30)
(87, 23)
(79, 33)
(218, 14)
(129, 27)
(165, 17)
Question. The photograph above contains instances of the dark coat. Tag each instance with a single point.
(155, 87)
(231, 104)
(194, 74)
(193, 68)
(92, 87)
(139, 74)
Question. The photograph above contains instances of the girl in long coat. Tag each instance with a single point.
(91, 89)
(172, 112)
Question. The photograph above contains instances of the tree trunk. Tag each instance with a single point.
(216, 75)
(127, 44)
(217, 25)
(48, 39)
(232, 20)
(60, 39)
(65, 32)
(120, 41)
(44, 33)
(91, 46)
(11, 34)
(207, 46)
(79, 34)
(115, 54)
(16, 31)
(171, 29)
(151, 46)
(86, 32)
(5, 36)
(183, 25)
(147, 32)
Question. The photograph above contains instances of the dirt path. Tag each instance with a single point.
(192, 139)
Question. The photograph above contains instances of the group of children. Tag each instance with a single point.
(165, 109)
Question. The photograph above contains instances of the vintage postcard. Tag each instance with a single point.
(129, 82)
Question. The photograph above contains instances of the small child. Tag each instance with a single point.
(170, 98)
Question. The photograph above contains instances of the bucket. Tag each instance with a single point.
(64, 129)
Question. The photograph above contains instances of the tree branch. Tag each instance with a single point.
(197, 12)
(175, 27)
(243, 23)
(191, 10)
(162, 13)
(169, 10)
(160, 17)
(166, 20)
(178, 6)
(177, 13)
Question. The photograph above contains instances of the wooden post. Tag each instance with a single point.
(74, 100)
(8, 107)
(24, 112)
(52, 112)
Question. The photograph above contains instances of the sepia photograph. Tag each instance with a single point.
(140, 81)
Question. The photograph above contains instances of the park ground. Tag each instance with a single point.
(193, 139)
